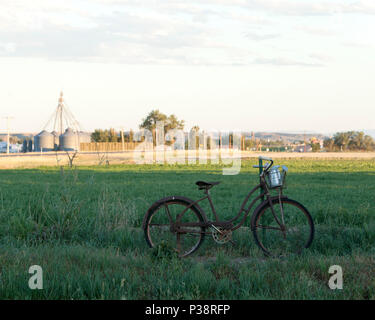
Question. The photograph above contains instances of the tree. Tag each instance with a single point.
(15, 139)
(329, 144)
(195, 128)
(100, 135)
(360, 141)
(315, 147)
(342, 139)
(149, 122)
(350, 140)
(170, 122)
(112, 135)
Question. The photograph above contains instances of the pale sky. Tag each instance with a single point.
(263, 65)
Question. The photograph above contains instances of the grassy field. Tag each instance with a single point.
(83, 227)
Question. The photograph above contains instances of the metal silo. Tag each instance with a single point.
(30, 146)
(24, 146)
(36, 142)
(69, 141)
(46, 141)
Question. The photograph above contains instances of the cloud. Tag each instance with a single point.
(283, 7)
(285, 62)
(7, 48)
(320, 57)
(121, 36)
(310, 8)
(356, 44)
(318, 31)
(261, 37)
(169, 32)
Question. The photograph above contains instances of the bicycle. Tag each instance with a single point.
(280, 225)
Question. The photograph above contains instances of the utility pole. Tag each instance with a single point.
(8, 118)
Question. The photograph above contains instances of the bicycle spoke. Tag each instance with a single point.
(168, 213)
(162, 229)
(178, 242)
(268, 227)
(192, 234)
(292, 237)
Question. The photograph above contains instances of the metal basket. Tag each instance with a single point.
(275, 178)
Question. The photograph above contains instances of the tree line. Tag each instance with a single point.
(110, 135)
(349, 141)
(149, 123)
(341, 141)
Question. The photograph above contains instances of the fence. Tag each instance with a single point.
(107, 146)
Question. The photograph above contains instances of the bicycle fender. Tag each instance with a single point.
(261, 206)
(161, 201)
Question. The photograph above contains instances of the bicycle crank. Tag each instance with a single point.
(221, 235)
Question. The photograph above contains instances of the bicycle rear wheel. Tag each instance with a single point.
(292, 232)
(160, 226)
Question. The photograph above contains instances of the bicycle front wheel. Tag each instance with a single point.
(161, 227)
(285, 230)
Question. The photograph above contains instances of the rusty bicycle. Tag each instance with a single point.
(280, 225)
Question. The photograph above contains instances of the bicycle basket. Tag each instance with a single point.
(275, 178)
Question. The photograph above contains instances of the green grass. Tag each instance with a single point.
(83, 226)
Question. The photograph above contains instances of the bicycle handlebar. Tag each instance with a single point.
(265, 158)
(257, 166)
(267, 166)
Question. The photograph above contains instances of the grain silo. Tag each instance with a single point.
(30, 146)
(24, 146)
(44, 141)
(60, 120)
(69, 141)
(36, 142)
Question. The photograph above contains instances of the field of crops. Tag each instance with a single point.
(83, 227)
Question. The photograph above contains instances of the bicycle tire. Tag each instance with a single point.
(284, 246)
(193, 214)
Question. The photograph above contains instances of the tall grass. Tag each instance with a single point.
(83, 226)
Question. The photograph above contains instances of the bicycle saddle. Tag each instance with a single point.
(206, 185)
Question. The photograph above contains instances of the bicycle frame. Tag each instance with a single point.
(264, 191)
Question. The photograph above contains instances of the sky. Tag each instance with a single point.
(262, 65)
